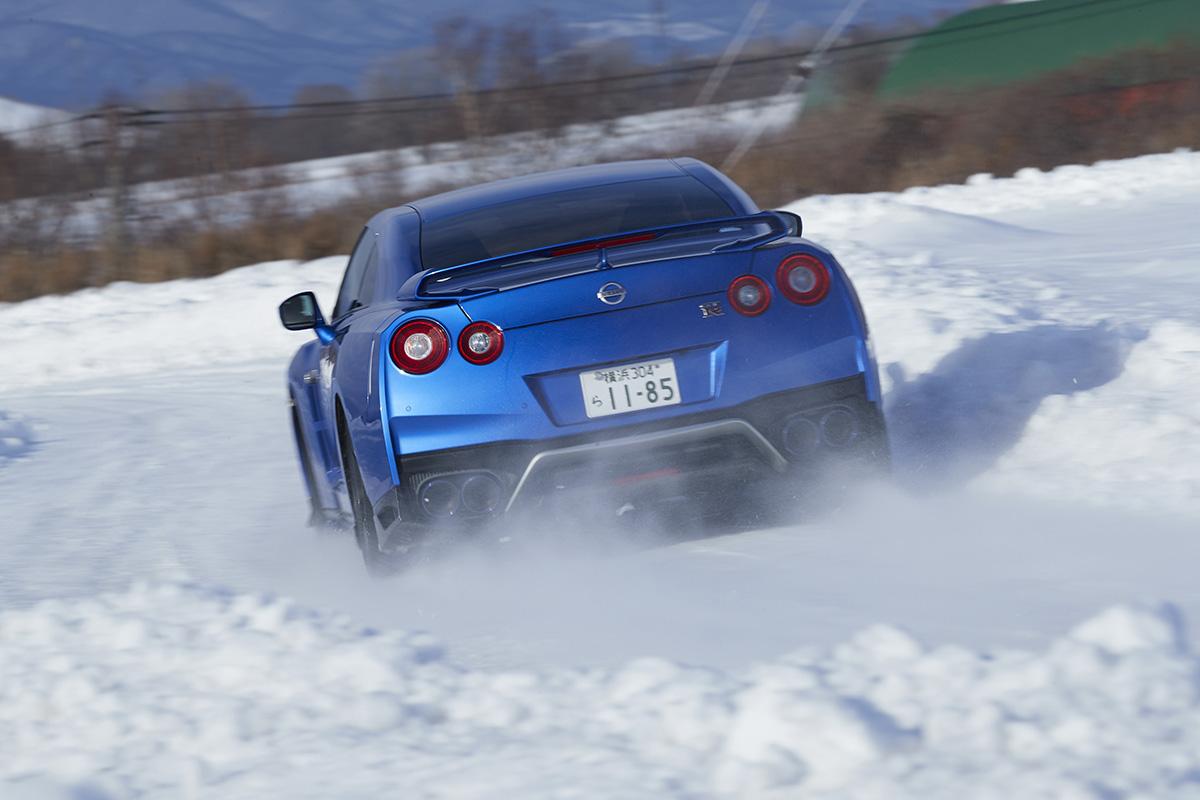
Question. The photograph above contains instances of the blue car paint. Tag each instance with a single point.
(553, 331)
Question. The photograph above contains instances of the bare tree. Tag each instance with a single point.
(462, 52)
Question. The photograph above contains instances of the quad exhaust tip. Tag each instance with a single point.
(836, 428)
(471, 494)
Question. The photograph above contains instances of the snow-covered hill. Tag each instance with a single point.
(169, 627)
(17, 117)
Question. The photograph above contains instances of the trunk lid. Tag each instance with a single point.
(601, 291)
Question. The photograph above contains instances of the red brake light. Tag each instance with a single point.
(617, 242)
(749, 295)
(481, 342)
(803, 279)
(419, 346)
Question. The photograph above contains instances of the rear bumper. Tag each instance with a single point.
(797, 431)
(621, 456)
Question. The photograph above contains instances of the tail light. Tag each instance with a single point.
(803, 279)
(481, 342)
(749, 295)
(571, 250)
(420, 346)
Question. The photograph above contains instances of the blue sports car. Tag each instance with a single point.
(624, 337)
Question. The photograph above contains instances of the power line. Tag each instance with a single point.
(849, 12)
(732, 50)
(689, 68)
(1083, 6)
(157, 116)
(947, 30)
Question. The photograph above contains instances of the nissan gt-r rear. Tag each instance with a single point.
(633, 336)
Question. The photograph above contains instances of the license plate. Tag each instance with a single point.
(629, 387)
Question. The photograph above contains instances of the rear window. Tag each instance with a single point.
(545, 220)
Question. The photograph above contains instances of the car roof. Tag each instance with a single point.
(449, 204)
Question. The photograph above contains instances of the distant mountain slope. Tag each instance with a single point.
(70, 52)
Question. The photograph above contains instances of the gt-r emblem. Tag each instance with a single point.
(713, 309)
(611, 293)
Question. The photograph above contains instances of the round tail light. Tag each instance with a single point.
(420, 346)
(481, 342)
(803, 279)
(749, 295)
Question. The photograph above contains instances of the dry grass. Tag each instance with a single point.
(1072, 117)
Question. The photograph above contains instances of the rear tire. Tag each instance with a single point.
(316, 515)
(378, 563)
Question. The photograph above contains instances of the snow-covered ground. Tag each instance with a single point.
(15, 437)
(991, 625)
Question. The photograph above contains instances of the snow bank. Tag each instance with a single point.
(1134, 440)
(1038, 334)
(1104, 184)
(131, 328)
(186, 691)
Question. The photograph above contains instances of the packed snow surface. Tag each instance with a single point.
(16, 436)
(169, 627)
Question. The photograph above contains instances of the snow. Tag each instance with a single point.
(178, 689)
(16, 436)
(16, 116)
(1011, 617)
(136, 329)
(1057, 326)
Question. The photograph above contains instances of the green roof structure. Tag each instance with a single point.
(1000, 44)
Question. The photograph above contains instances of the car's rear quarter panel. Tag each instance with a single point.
(357, 388)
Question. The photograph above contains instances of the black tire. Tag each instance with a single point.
(378, 563)
(316, 514)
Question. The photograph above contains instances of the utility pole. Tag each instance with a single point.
(732, 51)
(658, 10)
(797, 80)
(116, 235)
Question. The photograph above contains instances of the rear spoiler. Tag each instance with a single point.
(782, 224)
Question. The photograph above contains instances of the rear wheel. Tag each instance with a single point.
(316, 516)
(378, 563)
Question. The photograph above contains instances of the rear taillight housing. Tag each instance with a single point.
(420, 346)
(749, 295)
(803, 279)
(481, 342)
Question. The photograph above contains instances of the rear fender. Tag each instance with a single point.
(842, 292)
(361, 377)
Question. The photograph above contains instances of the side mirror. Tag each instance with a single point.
(300, 312)
(794, 223)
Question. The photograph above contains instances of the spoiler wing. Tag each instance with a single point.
(422, 286)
